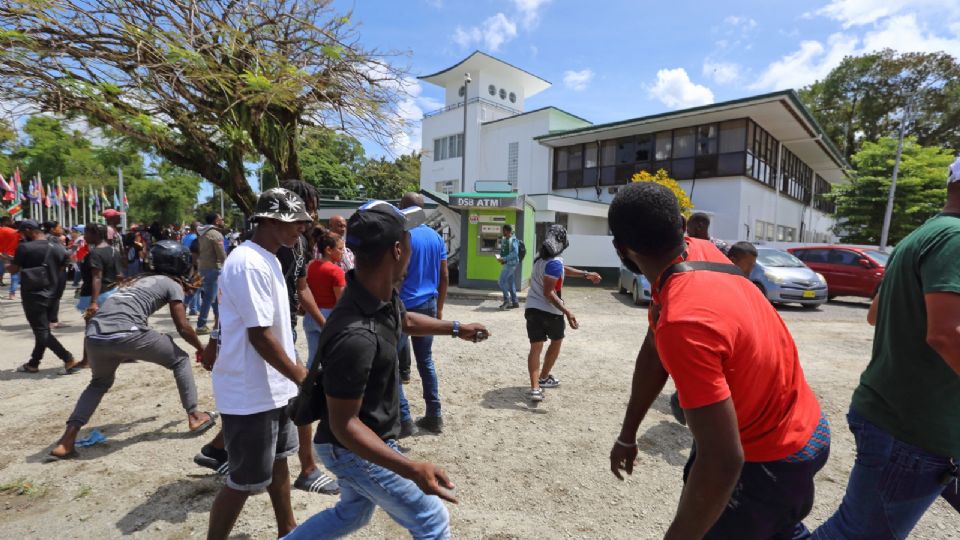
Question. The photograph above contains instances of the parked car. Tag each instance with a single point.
(850, 271)
(635, 285)
(784, 279)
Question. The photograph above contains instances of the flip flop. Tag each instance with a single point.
(52, 458)
(212, 421)
(70, 371)
(27, 368)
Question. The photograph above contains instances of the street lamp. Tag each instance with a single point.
(463, 139)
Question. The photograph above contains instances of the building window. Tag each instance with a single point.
(503, 94)
(683, 143)
(448, 147)
(513, 158)
(492, 89)
(664, 145)
(462, 91)
(513, 97)
(707, 140)
(446, 187)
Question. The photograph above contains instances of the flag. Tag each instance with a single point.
(96, 200)
(41, 193)
(126, 203)
(8, 189)
(49, 198)
(103, 197)
(16, 180)
(32, 192)
(74, 198)
(16, 211)
(116, 201)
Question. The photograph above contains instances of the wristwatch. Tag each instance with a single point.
(456, 329)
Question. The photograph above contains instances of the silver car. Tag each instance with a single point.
(784, 279)
(635, 285)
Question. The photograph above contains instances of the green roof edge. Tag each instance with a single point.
(476, 52)
(558, 109)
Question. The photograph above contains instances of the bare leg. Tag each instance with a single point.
(218, 442)
(549, 359)
(65, 445)
(279, 490)
(225, 511)
(308, 463)
(533, 364)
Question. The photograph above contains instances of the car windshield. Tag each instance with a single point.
(878, 256)
(778, 259)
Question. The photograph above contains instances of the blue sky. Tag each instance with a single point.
(614, 59)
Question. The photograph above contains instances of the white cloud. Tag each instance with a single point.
(675, 90)
(745, 23)
(852, 13)
(530, 11)
(813, 61)
(905, 33)
(577, 80)
(494, 32)
(721, 72)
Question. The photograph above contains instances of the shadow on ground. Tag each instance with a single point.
(511, 397)
(171, 503)
(175, 429)
(668, 440)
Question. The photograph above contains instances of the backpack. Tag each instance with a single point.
(310, 402)
(521, 249)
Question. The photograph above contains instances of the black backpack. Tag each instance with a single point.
(521, 249)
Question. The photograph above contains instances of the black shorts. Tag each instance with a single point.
(254, 442)
(542, 325)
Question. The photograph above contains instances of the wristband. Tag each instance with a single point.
(618, 442)
(215, 335)
(456, 329)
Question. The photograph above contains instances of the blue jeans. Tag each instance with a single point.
(312, 330)
(363, 487)
(14, 282)
(209, 289)
(508, 283)
(891, 486)
(423, 351)
(192, 302)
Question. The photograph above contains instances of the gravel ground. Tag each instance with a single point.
(520, 472)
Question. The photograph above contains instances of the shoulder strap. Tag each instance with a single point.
(692, 266)
(46, 252)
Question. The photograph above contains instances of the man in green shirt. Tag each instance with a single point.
(905, 414)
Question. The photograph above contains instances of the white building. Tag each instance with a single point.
(724, 155)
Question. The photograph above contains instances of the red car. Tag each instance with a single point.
(849, 271)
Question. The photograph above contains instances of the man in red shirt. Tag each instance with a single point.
(9, 239)
(759, 435)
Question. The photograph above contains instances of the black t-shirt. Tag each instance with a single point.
(31, 255)
(293, 262)
(104, 258)
(360, 364)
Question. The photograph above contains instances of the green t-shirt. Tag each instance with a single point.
(908, 389)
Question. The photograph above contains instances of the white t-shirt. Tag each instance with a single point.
(252, 294)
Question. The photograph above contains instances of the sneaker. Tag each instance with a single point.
(193, 313)
(317, 482)
(405, 378)
(514, 305)
(549, 382)
(433, 424)
(407, 429)
(213, 458)
(505, 305)
(677, 410)
(535, 394)
(203, 330)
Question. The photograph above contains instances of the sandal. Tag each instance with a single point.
(27, 368)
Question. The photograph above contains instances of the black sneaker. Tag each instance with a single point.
(407, 429)
(505, 305)
(433, 424)
(677, 410)
(514, 305)
(213, 458)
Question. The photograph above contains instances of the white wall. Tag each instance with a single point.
(591, 250)
(589, 225)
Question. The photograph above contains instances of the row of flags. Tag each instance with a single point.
(53, 195)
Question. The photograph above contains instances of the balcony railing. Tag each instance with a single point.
(484, 101)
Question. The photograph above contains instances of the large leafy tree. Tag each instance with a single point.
(921, 190)
(863, 99)
(383, 179)
(204, 83)
(332, 161)
(167, 198)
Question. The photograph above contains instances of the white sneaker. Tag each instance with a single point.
(535, 394)
(549, 382)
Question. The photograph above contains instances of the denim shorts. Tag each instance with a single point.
(254, 442)
(84, 301)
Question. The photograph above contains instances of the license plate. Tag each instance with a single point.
(809, 294)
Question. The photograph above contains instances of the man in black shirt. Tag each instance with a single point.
(360, 416)
(38, 292)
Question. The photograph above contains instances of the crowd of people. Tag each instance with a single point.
(372, 290)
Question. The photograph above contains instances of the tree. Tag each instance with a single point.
(205, 84)
(168, 198)
(662, 178)
(863, 98)
(384, 179)
(331, 161)
(8, 141)
(920, 194)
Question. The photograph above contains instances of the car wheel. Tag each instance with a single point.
(810, 307)
(623, 290)
(637, 295)
(830, 297)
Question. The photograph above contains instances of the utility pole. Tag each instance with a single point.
(888, 215)
(123, 213)
(463, 150)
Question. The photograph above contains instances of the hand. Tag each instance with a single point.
(622, 458)
(300, 374)
(200, 356)
(592, 277)
(572, 319)
(433, 480)
(474, 332)
(209, 355)
(91, 311)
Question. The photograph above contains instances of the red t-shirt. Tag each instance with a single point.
(322, 277)
(719, 337)
(9, 239)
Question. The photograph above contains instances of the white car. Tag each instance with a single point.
(636, 285)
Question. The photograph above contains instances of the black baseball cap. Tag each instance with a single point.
(379, 223)
(28, 224)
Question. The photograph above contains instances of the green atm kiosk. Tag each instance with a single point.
(482, 217)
